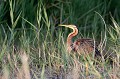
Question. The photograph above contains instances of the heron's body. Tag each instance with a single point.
(80, 46)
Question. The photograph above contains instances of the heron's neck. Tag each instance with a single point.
(69, 38)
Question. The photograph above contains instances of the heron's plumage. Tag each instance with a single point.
(80, 45)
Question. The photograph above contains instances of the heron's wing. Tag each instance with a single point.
(94, 45)
(88, 45)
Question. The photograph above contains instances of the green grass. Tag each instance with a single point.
(32, 46)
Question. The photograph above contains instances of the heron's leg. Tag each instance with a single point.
(86, 68)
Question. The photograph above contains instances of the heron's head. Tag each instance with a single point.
(69, 26)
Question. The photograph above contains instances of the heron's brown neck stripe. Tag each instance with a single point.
(75, 31)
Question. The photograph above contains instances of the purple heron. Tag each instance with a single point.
(81, 45)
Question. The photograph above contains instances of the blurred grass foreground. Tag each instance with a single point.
(32, 46)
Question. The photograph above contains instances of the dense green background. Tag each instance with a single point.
(78, 12)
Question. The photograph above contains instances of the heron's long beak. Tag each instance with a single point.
(63, 25)
(69, 26)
